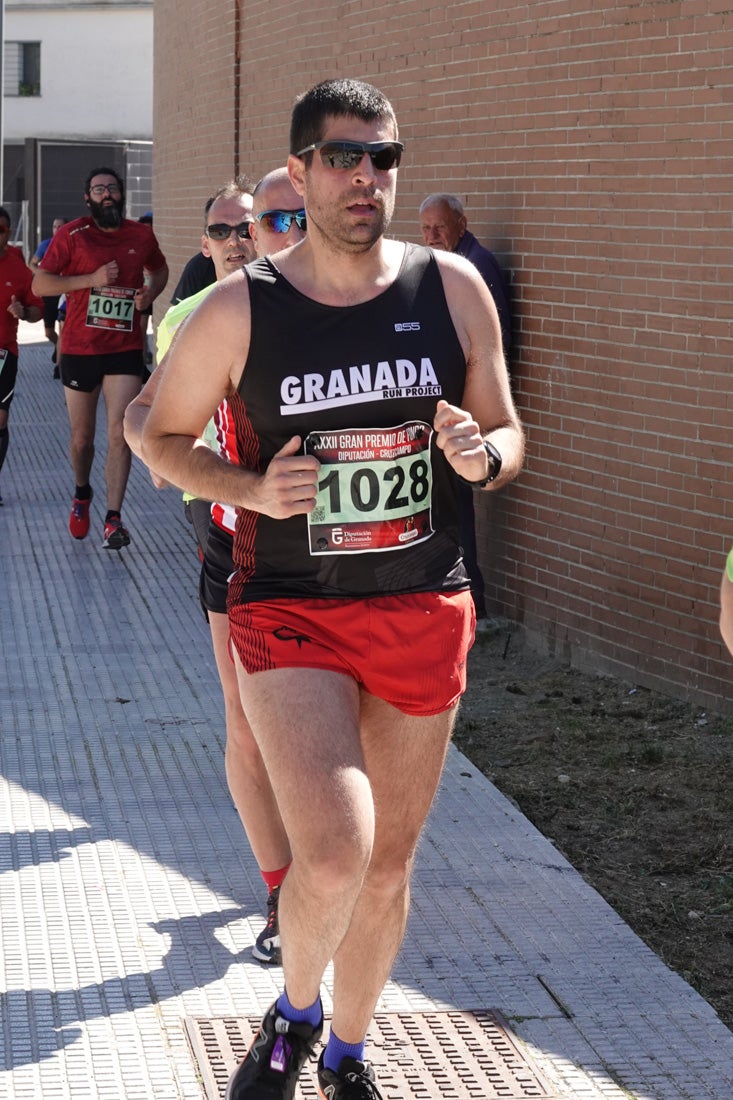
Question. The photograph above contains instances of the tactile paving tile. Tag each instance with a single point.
(129, 900)
(416, 1056)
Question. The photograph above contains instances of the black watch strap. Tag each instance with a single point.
(494, 467)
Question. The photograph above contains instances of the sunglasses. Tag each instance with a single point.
(349, 154)
(279, 221)
(222, 232)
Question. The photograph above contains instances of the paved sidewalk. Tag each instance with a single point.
(129, 900)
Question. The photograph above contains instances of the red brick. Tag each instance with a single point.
(590, 145)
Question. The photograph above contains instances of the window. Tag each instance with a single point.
(22, 68)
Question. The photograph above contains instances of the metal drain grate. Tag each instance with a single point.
(421, 1055)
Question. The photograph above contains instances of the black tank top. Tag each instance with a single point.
(360, 385)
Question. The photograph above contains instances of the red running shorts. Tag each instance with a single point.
(409, 650)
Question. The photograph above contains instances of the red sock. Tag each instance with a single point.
(273, 879)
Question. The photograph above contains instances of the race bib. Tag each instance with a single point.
(111, 307)
(374, 489)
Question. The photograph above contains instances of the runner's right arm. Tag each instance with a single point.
(217, 333)
(48, 285)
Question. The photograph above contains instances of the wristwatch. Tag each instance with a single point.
(494, 467)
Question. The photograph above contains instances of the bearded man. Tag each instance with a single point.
(110, 269)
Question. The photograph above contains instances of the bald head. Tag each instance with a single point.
(275, 193)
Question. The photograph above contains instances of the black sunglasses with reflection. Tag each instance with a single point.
(349, 154)
(220, 231)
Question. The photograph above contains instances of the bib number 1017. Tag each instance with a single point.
(111, 307)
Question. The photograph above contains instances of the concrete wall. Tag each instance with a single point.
(96, 73)
(592, 145)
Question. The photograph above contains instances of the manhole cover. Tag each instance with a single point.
(425, 1055)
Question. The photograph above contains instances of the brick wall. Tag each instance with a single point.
(592, 146)
(193, 121)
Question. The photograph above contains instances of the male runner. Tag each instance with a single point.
(50, 305)
(99, 262)
(200, 270)
(276, 207)
(17, 303)
(372, 377)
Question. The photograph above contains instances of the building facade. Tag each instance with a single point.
(591, 144)
(77, 91)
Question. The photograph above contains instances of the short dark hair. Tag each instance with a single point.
(335, 99)
(238, 186)
(104, 172)
(4, 214)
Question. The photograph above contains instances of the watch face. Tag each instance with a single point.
(494, 461)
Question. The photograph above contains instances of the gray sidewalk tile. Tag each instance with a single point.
(129, 899)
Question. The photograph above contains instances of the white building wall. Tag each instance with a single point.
(96, 74)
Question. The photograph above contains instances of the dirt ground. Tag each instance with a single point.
(633, 787)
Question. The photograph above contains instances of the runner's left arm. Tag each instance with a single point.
(726, 604)
(185, 397)
(136, 414)
(23, 312)
(146, 295)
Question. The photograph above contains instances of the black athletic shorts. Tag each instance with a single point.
(8, 374)
(216, 570)
(215, 547)
(86, 372)
(198, 514)
(50, 311)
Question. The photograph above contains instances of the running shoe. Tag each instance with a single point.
(355, 1080)
(79, 518)
(271, 1066)
(115, 535)
(267, 944)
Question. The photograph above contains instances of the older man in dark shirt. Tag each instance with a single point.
(444, 226)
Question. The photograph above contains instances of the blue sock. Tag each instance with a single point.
(336, 1050)
(311, 1015)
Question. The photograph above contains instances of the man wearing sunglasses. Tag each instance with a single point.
(99, 262)
(372, 377)
(200, 270)
(279, 217)
(228, 225)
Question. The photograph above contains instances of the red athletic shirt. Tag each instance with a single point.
(15, 279)
(102, 320)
